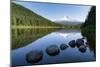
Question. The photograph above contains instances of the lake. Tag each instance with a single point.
(57, 37)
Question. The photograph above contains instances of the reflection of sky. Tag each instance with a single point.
(55, 38)
(57, 11)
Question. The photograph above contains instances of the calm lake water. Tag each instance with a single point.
(54, 38)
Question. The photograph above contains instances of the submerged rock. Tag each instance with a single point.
(53, 50)
(34, 56)
(82, 48)
(79, 42)
(63, 46)
(72, 43)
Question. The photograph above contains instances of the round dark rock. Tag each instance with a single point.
(72, 43)
(53, 50)
(86, 43)
(63, 46)
(34, 56)
(82, 48)
(79, 42)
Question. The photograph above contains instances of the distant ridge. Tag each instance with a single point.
(69, 23)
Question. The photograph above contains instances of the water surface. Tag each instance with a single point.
(54, 38)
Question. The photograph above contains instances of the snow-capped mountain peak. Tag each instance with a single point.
(65, 18)
(68, 21)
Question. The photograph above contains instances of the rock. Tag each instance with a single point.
(86, 43)
(83, 38)
(72, 43)
(34, 56)
(53, 50)
(79, 42)
(63, 46)
(82, 48)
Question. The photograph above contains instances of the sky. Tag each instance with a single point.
(56, 12)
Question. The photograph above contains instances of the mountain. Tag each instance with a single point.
(25, 17)
(66, 20)
(70, 23)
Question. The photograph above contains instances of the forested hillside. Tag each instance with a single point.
(22, 16)
(26, 26)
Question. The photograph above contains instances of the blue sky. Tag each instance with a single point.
(56, 12)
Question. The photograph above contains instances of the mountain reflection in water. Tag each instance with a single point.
(54, 38)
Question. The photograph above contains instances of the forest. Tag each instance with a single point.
(89, 28)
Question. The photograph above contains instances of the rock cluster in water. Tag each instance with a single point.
(79, 43)
(53, 50)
